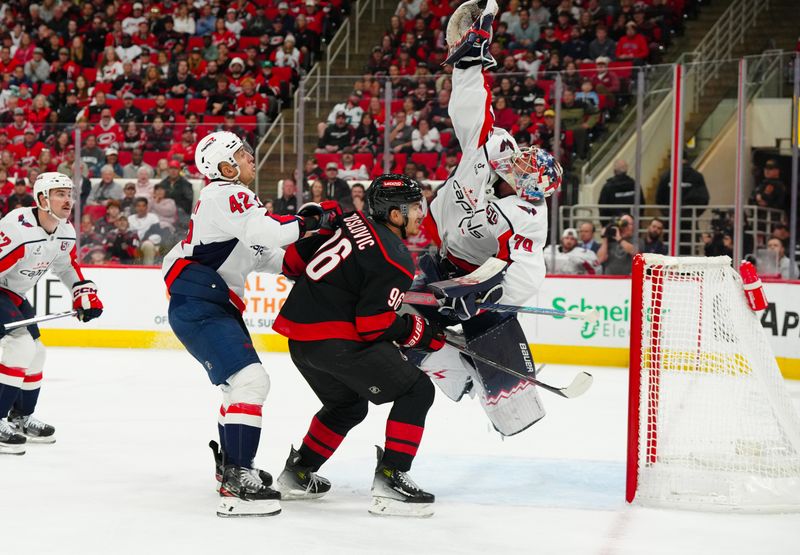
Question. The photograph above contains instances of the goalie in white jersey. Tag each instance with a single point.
(230, 235)
(33, 240)
(492, 205)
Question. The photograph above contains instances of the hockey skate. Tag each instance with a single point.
(11, 443)
(395, 494)
(32, 428)
(219, 465)
(300, 482)
(243, 494)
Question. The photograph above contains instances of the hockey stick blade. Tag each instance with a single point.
(429, 299)
(36, 319)
(580, 384)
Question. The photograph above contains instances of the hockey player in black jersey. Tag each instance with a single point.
(344, 333)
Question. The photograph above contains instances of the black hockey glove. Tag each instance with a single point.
(468, 306)
(325, 216)
(422, 335)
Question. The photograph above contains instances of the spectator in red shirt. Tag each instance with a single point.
(27, 152)
(17, 128)
(315, 18)
(221, 35)
(251, 103)
(563, 28)
(7, 63)
(183, 150)
(107, 130)
(633, 46)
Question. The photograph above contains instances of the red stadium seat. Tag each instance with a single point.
(90, 73)
(623, 70)
(194, 42)
(176, 104)
(324, 158)
(144, 104)
(445, 139)
(95, 211)
(105, 86)
(365, 159)
(47, 89)
(280, 75)
(244, 42)
(152, 157)
(247, 122)
(427, 159)
(196, 106)
(124, 157)
(212, 121)
(115, 104)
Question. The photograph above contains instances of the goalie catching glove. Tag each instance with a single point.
(322, 216)
(85, 301)
(469, 33)
(422, 335)
(468, 306)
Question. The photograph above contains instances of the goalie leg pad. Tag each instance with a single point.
(510, 403)
(446, 369)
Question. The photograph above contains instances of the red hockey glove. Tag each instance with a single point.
(423, 335)
(85, 301)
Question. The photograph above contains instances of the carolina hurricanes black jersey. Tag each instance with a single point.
(348, 284)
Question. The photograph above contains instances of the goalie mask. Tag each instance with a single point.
(216, 148)
(532, 172)
(45, 183)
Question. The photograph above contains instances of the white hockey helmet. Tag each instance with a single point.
(216, 148)
(46, 182)
(533, 172)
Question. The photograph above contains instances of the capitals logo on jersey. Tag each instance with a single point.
(23, 222)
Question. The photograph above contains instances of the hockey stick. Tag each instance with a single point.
(35, 320)
(428, 299)
(580, 384)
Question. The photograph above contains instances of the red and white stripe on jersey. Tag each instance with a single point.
(11, 375)
(32, 381)
(245, 414)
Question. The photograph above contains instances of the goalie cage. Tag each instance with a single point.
(711, 425)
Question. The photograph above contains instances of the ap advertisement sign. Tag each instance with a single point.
(136, 315)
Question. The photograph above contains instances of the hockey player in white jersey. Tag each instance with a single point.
(492, 205)
(230, 235)
(33, 240)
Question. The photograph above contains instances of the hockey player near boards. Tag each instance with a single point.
(33, 239)
(230, 235)
(344, 332)
(492, 205)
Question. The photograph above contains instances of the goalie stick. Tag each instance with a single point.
(36, 319)
(429, 299)
(579, 385)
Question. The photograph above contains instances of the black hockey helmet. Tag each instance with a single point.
(392, 191)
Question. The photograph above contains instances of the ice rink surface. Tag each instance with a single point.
(131, 473)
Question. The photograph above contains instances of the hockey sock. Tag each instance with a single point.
(241, 434)
(28, 395)
(11, 380)
(221, 427)
(406, 424)
(319, 443)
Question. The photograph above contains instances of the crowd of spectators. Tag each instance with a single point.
(140, 83)
(595, 45)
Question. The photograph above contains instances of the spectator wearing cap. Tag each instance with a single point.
(206, 21)
(547, 41)
(602, 45)
(131, 170)
(37, 69)
(288, 54)
(570, 258)
(182, 84)
(251, 103)
(539, 108)
(27, 152)
(16, 130)
(107, 130)
(20, 197)
(63, 69)
(128, 113)
(178, 189)
(335, 187)
(106, 189)
(130, 24)
(315, 18)
(770, 192)
(604, 80)
(632, 46)
(128, 82)
(128, 198)
(336, 136)
(112, 159)
(232, 22)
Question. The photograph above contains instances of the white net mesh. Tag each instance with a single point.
(717, 429)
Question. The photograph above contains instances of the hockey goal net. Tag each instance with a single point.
(710, 422)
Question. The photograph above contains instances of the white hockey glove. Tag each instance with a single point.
(468, 306)
(469, 33)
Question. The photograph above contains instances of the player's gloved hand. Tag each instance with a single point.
(422, 334)
(473, 47)
(85, 301)
(468, 306)
(324, 216)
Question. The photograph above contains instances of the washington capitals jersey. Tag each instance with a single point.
(231, 233)
(27, 251)
(349, 284)
(470, 226)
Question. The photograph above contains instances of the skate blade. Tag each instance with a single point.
(385, 506)
(231, 507)
(42, 440)
(10, 449)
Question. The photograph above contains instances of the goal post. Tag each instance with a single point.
(710, 422)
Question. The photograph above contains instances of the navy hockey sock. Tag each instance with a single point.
(242, 433)
(221, 427)
(28, 395)
(11, 380)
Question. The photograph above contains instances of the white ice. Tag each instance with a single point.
(131, 473)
